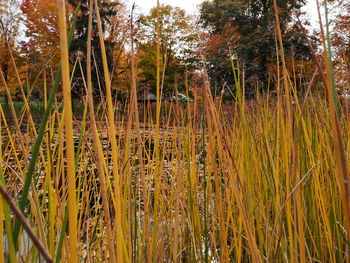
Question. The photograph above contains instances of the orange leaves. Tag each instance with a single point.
(42, 26)
(227, 37)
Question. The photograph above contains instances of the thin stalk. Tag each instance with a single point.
(342, 171)
(25, 155)
(68, 122)
(118, 195)
(42, 249)
(156, 146)
(6, 212)
(294, 153)
(41, 132)
(135, 111)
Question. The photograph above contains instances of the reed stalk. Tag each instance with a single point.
(135, 112)
(97, 144)
(72, 202)
(342, 171)
(259, 180)
(156, 146)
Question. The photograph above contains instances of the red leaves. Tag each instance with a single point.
(25, 5)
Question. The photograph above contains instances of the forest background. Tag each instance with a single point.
(244, 29)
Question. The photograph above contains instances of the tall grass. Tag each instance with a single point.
(68, 122)
(260, 180)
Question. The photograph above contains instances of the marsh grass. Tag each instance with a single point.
(260, 180)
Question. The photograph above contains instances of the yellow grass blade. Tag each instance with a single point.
(72, 203)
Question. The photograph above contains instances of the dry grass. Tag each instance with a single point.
(256, 181)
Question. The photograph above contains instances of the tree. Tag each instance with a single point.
(109, 12)
(43, 39)
(177, 39)
(9, 37)
(121, 69)
(41, 45)
(248, 28)
(341, 43)
(42, 30)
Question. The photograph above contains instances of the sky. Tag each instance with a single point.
(191, 6)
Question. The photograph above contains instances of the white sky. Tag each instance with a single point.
(311, 10)
(191, 6)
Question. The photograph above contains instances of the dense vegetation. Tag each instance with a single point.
(250, 165)
(248, 28)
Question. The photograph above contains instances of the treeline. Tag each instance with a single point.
(228, 38)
